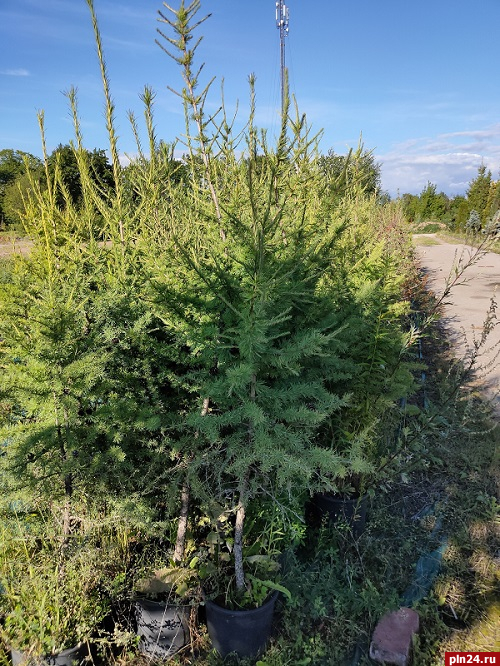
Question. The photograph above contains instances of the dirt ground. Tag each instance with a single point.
(471, 302)
(10, 246)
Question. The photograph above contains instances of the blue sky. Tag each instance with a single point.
(418, 80)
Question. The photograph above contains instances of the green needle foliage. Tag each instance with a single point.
(217, 331)
(198, 346)
(257, 254)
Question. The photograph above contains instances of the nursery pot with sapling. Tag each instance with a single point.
(240, 619)
(347, 505)
(265, 334)
(245, 632)
(52, 602)
(338, 508)
(162, 611)
(68, 657)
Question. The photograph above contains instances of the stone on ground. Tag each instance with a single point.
(392, 638)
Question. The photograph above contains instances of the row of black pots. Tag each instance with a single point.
(164, 629)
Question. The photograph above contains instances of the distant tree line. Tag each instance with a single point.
(478, 210)
(20, 172)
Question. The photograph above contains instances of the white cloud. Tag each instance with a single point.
(127, 158)
(450, 161)
(128, 44)
(490, 133)
(15, 72)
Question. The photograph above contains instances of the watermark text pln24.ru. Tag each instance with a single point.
(475, 658)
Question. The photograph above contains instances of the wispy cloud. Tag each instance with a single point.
(15, 72)
(492, 132)
(129, 45)
(130, 15)
(448, 160)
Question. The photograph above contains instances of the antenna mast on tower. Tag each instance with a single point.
(282, 21)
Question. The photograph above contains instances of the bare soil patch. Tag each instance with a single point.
(469, 313)
(10, 246)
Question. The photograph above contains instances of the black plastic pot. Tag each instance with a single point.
(163, 628)
(245, 632)
(336, 508)
(69, 657)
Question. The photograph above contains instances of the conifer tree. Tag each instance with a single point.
(261, 295)
(88, 371)
(473, 224)
(224, 334)
(478, 193)
(493, 204)
(53, 365)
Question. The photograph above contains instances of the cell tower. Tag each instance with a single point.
(282, 21)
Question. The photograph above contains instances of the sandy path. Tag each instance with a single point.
(7, 247)
(468, 304)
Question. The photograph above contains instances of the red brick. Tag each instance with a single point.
(392, 638)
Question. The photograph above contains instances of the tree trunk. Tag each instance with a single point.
(238, 539)
(180, 541)
(68, 478)
(68, 492)
(241, 508)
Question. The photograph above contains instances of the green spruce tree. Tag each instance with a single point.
(478, 193)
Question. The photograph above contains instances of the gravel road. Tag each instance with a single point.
(469, 302)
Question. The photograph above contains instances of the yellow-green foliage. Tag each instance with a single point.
(219, 319)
